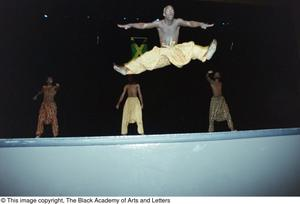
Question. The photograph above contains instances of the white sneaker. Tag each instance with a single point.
(211, 49)
(119, 69)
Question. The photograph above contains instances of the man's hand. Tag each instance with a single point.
(204, 25)
(117, 106)
(127, 26)
(210, 71)
(57, 84)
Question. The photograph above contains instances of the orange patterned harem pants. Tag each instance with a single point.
(47, 116)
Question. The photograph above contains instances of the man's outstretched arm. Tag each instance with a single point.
(194, 24)
(36, 95)
(139, 25)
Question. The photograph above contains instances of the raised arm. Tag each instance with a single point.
(139, 25)
(140, 95)
(208, 78)
(121, 97)
(194, 24)
(57, 86)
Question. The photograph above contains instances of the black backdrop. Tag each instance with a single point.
(257, 56)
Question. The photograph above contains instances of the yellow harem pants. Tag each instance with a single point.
(47, 115)
(219, 111)
(132, 113)
(178, 55)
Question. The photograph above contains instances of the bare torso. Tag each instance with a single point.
(49, 92)
(132, 90)
(216, 88)
(168, 32)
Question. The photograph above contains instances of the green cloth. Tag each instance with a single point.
(137, 50)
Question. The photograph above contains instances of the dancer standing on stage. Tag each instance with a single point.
(218, 110)
(170, 52)
(132, 111)
(48, 109)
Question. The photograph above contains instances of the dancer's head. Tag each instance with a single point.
(169, 12)
(49, 80)
(130, 78)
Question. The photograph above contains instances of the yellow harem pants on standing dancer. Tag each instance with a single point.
(47, 115)
(132, 113)
(178, 55)
(219, 111)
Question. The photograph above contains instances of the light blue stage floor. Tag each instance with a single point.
(254, 162)
(144, 139)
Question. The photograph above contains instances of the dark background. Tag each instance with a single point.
(257, 56)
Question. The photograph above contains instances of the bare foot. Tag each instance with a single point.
(211, 49)
(120, 69)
